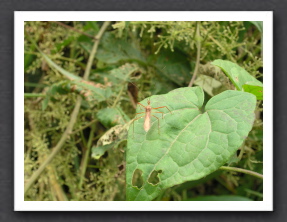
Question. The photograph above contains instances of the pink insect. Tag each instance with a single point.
(147, 116)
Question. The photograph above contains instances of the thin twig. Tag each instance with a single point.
(29, 95)
(94, 49)
(240, 170)
(56, 187)
(74, 29)
(118, 97)
(74, 115)
(220, 46)
(198, 46)
(84, 127)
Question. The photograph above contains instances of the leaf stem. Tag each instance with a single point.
(84, 127)
(119, 96)
(74, 115)
(240, 170)
(198, 46)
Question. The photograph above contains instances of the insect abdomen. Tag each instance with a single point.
(147, 123)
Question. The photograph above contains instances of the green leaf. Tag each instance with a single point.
(110, 117)
(87, 89)
(90, 90)
(86, 42)
(220, 198)
(99, 151)
(67, 74)
(58, 68)
(125, 71)
(207, 83)
(28, 59)
(174, 66)
(52, 91)
(254, 89)
(51, 63)
(258, 24)
(191, 144)
(241, 79)
(111, 139)
(31, 95)
(92, 25)
(113, 50)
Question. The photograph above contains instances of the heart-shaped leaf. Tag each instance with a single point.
(192, 143)
(241, 79)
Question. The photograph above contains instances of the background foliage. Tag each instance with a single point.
(133, 61)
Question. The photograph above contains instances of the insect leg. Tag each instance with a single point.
(141, 105)
(160, 112)
(140, 113)
(158, 123)
(162, 107)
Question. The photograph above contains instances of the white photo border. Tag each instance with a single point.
(21, 16)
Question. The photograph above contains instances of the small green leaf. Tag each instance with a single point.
(125, 71)
(254, 89)
(241, 79)
(207, 83)
(67, 74)
(87, 89)
(98, 151)
(110, 117)
(28, 60)
(111, 139)
(92, 25)
(52, 91)
(191, 144)
(31, 95)
(90, 90)
(45, 103)
(258, 24)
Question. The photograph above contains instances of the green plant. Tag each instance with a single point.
(193, 144)
(83, 81)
